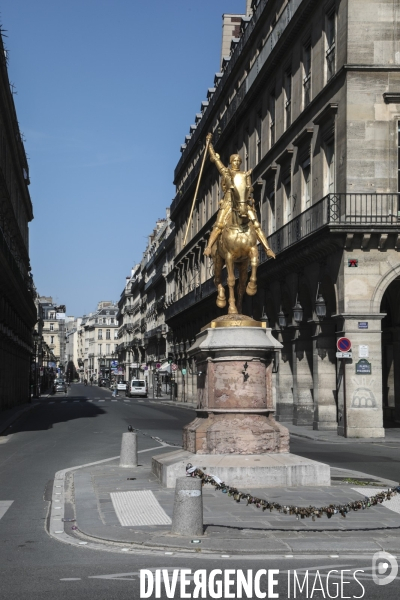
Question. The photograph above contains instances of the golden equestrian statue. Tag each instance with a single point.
(233, 240)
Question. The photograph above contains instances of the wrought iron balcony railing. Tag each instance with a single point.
(343, 212)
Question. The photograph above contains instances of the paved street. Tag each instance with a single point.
(85, 426)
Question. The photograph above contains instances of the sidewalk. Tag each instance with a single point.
(229, 527)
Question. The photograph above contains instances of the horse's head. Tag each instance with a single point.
(240, 194)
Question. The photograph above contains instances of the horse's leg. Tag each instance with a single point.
(242, 284)
(252, 285)
(231, 283)
(218, 264)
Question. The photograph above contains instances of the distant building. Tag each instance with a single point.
(17, 309)
(97, 339)
(53, 330)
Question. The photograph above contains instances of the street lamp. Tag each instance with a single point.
(281, 319)
(320, 306)
(298, 311)
(264, 318)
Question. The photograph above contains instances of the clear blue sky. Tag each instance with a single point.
(106, 92)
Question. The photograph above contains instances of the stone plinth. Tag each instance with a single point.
(234, 435)
(235, 412)
(258, 471)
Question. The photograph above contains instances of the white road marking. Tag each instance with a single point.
(139, 507)
(114, 400)
(71, 579)
(392, 504)
(4, 506)
(126, 400)
(101, 400)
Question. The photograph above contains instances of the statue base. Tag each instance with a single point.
(234, 435)
(252, 470)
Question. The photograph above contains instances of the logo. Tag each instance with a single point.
(381, 563)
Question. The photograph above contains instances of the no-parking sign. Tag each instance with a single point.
(343, 344)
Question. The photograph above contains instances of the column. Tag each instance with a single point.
(284, 380)
(303, 413)
(324, 375)
(360, 400)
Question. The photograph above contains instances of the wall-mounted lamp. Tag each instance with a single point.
(298, 311)
(320, 306)
(264, 318)
(281, 319)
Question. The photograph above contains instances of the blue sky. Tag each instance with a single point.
(106, 91)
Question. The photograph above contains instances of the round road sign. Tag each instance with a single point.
(174, 367)
(343, 344)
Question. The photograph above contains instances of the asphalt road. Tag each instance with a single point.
(70, 431)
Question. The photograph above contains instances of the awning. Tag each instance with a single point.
(165, 368)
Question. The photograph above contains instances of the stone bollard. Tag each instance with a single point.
(128, 456)
(188, 507)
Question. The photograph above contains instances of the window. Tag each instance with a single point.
(112, 321)
(99, 346)
(271, 219)
(288, 99)
(246, 150)
(330, 167)
(115, 334)
(107, 349)
(51, 326)
(330, 45)
(287, 198)
(104, 321)
(108, 334)
(272, 102)
(307, 75)
(52, 339)
(306, 187)
(100, 334)
(51, 315)
(258, 137)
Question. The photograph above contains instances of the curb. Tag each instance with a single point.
(55, 527)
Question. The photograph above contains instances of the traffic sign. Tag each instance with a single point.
(343, 344)
(183, 371)
(174, 367)
(344, 355)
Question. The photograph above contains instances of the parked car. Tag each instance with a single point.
(137, 387)
(121, 385)
(104, 382)
(60, 386)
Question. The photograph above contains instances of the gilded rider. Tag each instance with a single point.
(228, 175)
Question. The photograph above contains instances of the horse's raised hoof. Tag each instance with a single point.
(221, 298)
(221, 302)
(232, 310)
(251, 289)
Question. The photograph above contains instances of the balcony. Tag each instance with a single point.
(347, 213)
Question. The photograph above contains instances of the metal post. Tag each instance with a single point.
(344, 399)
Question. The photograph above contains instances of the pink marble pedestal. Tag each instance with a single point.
(235, 413)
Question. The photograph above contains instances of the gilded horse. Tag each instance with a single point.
(236, 246)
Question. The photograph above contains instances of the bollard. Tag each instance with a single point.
(128, 456)
(188, 507)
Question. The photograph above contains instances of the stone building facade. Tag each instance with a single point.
(310, 98)
(17, 309)
(143, 334)
(97, 341)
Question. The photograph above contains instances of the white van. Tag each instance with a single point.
(136, 387)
